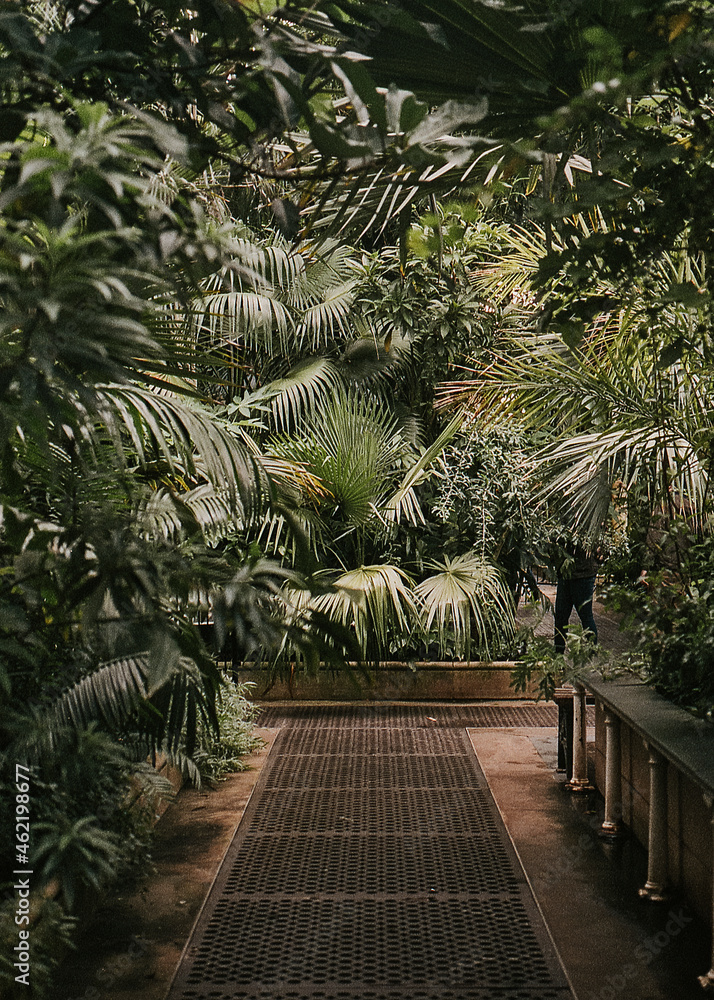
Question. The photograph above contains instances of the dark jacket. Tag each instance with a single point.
(583, 565)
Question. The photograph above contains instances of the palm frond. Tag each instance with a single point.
(325, 266)
(467, 590)
(591, 471)
(327, 320)
(376, 601)
(300, 391)
(404, 502)
(165, 428)
(111, 694)
(370, 201)
(503, 276)
(240, 318)
(164, 513)
(161, 701)
(277, 298)
(614, 415)
(525, 62)
(366, 363)
(277, 532)
(354, 446)
(271, 264)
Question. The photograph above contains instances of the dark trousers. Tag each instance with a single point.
(576, 594)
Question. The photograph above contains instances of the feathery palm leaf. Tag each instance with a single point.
(615, 415)
(230, 314)
(164, 513)
(277, 299)
(111, 694)
(404, 502)
(327, 320)
(166, 428)
(304, 387)
(501, 277)
(159, 696)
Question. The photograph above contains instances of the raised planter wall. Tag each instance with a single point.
(425, 681)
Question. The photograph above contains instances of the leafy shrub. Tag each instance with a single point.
(83, 838)
(540, 664)
(224, 752)
(671, 613)
(92, 807)
(51, 935)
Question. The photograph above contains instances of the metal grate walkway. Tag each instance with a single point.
(371, 864)
(401, 715)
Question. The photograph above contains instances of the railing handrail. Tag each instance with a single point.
(682, 738)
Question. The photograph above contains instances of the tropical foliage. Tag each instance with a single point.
(671, 614)
(225, 752)
(111, 454)
(222, 325)
(619, 416)
(101, 665)
(334, 358)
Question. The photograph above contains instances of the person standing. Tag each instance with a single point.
(575, 589)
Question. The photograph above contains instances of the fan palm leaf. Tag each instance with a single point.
(376, 601)
(441, 51)
(354, 446)
(498, 76)
(467, 590)
(446, 55)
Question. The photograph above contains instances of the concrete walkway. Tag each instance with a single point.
(612, 944)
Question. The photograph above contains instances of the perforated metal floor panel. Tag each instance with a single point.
(379, 714)
(371, 864)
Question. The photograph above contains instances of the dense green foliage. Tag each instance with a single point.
(670, 610)
(229, 291)
(109, 457)
(224, 752)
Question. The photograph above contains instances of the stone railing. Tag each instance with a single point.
(654, 765)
